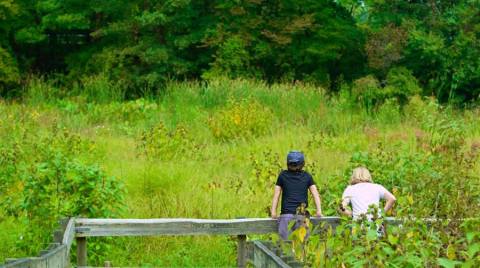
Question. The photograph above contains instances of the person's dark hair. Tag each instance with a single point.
(295, 167)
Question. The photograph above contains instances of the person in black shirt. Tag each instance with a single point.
(293, 184)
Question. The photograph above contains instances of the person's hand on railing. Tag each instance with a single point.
(318, 213)
(274, 215)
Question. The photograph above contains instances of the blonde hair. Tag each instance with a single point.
(360, 174)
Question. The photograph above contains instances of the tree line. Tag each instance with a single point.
(141, 44)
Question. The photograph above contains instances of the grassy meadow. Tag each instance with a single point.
(213, 150)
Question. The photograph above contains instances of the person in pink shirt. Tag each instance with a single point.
(362, 194)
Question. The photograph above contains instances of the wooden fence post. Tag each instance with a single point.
(242, 251)
(81, 251)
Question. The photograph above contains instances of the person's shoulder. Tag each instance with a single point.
(306, 174)
(354, 187)
(283, 173)
(347, 190)
(349, 187)
(377, 185)
(380, 188)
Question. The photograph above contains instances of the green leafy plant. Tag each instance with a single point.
(240, 120)
(46, 177)
(160, 143)
(367, 91)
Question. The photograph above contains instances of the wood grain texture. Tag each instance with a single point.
(150, 227)
(54, 258)
(154, 227)
(82, 251)
(241, 251)
(264, 257)
(69, 234)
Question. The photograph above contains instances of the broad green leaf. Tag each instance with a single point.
(447, 263)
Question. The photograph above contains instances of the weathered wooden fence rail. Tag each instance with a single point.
(164, 227)
(262, 255)
(80, 229)
(57, 255)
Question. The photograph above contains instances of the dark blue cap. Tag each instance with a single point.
(295, 158)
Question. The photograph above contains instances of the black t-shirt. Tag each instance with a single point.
(295, 186)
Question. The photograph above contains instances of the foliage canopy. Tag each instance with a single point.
(142, 44)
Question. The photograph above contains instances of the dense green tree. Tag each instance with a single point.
(9, 73)
(145, 43)
(138, 45)
(47, 31)
(288, 40)
(385, 48)
(442, 45)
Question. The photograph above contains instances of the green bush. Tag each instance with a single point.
(418, 108)
(265, 169)
(367, 91)
(160, 143)
(122, 112)
(413, 244)
(388, 112)
(9, 73)
(231, 60)
(45, 176)
(240, 120)
(401, 84)
(101, 89)
(40, 91)
(441, 128)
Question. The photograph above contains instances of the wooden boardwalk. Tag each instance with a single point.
(58, 253)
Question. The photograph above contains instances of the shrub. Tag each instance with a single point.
(389, 112)
(240, 119)
(417, 108)
(232, 60)
(38, 91)
(401, 84)
(441, 128)
(122, 113)
(445, 132)
(9, 74)
(367, 91)
(44, 176)
(413, 244)
(384, 47)
(99, 88)
(159, 142)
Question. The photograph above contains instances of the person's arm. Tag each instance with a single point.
(276, 196)
(389, 201)
(316, 198)
(344, 207)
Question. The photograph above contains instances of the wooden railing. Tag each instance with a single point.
(80, 229)
(174, 227)
(57, 255)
